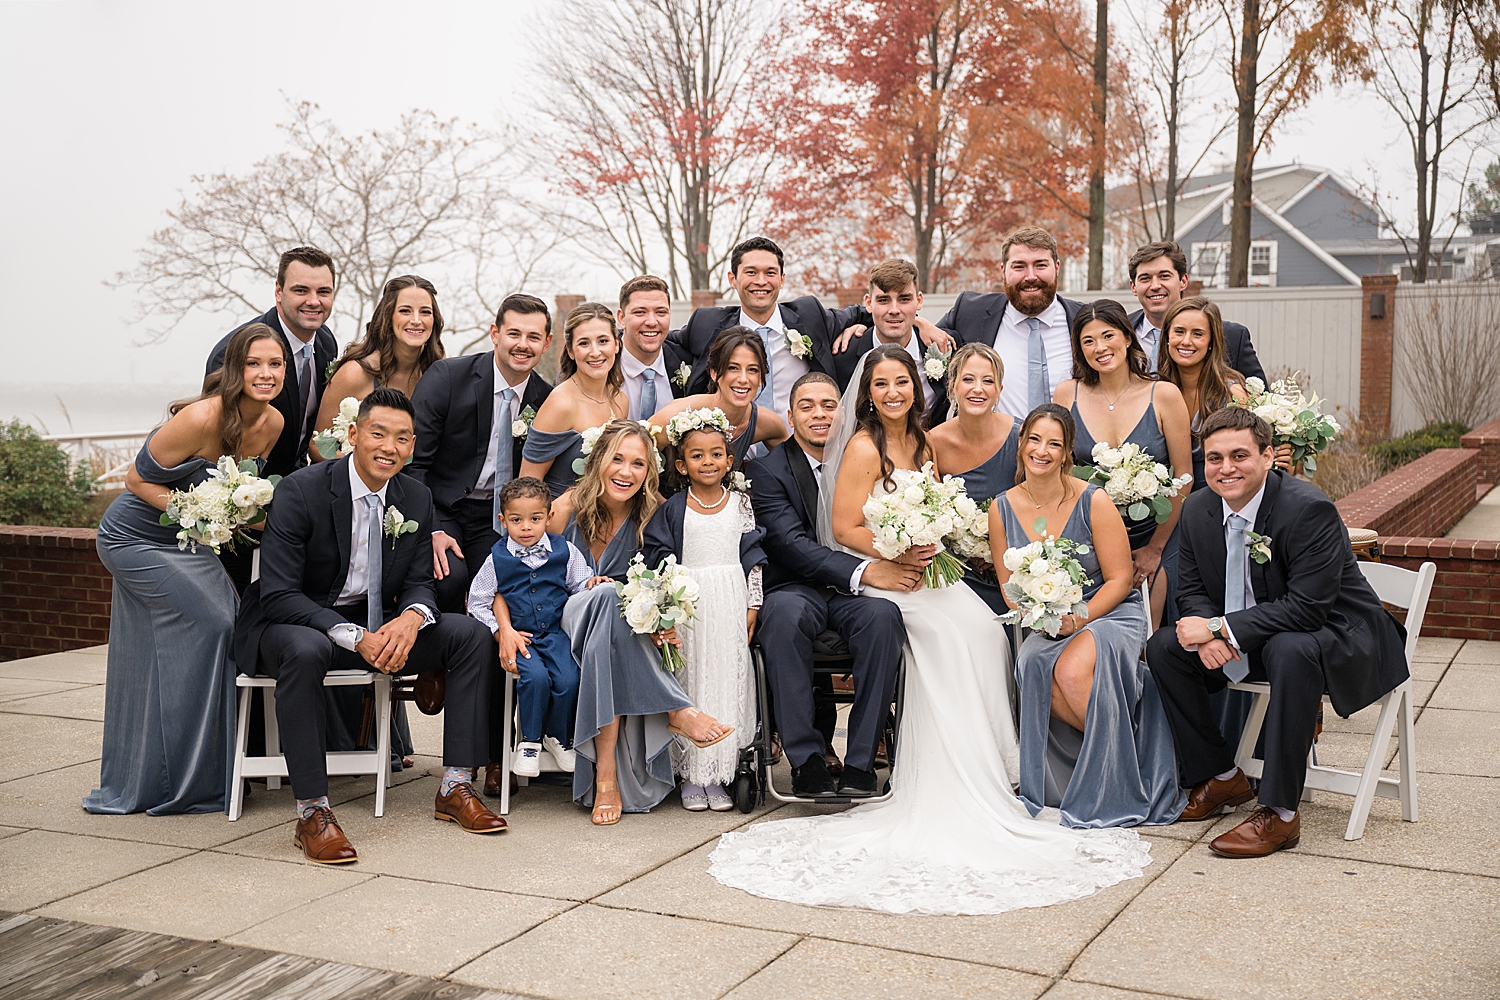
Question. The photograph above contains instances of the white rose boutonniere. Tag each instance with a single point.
(682, 374)
(935, 363)
(522, 424)
(798, 344)
(396, 525)
(1260, 547)
(738, 482)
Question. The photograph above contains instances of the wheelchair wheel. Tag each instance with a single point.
(744, 791)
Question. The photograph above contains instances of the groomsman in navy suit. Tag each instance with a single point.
(466, 413)
(1028, 323)
(1159, 277)
(809, 588)
(656, 371)
(1268, 589)
(892, 302)
(304, 301)
(756, 273)
(344, 585)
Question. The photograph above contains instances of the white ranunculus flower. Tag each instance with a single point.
(1254, 386)
(244, 495)
(1266, 412)
(684, 588)
(913, 523)
(1106, 457)
(965, 506)
(264, 492)
(1145, 483)
(349, 408)
(1161, 471)
(1073, 595)
(1012, 559)
(1039, 567)
(913, 494)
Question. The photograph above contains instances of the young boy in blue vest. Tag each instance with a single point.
(519, 593)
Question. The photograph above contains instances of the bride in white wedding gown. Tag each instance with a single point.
(952, 838)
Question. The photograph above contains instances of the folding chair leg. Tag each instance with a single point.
(1406, 748)
(382, 740)
(1253, 723)
(273, 732)
(1370, 778)
(241, 745)
(506, 732)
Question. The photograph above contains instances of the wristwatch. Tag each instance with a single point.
(1216, 627)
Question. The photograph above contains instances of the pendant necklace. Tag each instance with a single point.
(1117, 398)
(1029, 496)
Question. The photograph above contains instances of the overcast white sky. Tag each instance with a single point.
(110, 107)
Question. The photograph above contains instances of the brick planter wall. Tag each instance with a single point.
(54, 592)
(1465, 600)
(1486, 441)
(1423, 499)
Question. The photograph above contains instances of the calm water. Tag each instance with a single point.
(79, 407)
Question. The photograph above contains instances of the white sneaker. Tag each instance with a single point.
(567, 760)
(527, 761)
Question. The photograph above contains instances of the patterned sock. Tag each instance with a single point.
(454, 776)
(305, 807)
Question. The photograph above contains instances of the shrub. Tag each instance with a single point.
(1398, 451)
(37, 485)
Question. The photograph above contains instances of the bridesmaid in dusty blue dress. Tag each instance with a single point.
(629, 709)
(977, 444)
(1112, 380)
(169, 686)
(590, 392)
(1093, 733)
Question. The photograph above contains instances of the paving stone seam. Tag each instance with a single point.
(48, 770)
(1299, 850)
(139, 871)
(1133, 989)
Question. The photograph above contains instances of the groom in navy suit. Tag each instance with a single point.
(810, 588)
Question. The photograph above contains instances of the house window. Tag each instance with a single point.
(1211, 263)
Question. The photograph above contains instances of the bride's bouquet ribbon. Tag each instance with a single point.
(213, 512)
(920, 511)
(654, 600)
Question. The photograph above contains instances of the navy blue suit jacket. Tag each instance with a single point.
(784, 493)
(975, 316)
(806, 315)
(1238, 350)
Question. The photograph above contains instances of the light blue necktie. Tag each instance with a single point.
(648, 394)
(504, 445)
(374, 613)
(1038, 385)
(1150, 341)
(766, 397)
(1234, 587)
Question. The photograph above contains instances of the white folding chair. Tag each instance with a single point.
(1404, 589)
(509, 737)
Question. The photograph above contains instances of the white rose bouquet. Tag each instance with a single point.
(1139, 485)
(919, 512)
(1046, 582)
(654, 600)
(1294, 418)
(334, 442)
(213, 512)
(970, 537)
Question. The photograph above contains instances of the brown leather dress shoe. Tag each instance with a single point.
(1262, 834)
(492, 780)
(321, 839)
(835, 766)
(1208, 798)
(463, 807)
(428, 691)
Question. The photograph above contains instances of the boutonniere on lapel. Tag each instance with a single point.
(798, 344)
(333, 366)
(682, 374)
(1260, 547)
(935, 363)
(396, 525)
(522, 424)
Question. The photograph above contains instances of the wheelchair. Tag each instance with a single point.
(831, 657)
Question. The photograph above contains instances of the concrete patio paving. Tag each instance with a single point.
(559, 909)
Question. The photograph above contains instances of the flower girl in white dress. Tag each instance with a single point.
(711, 530)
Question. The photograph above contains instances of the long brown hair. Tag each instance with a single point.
(227, 383)
(588, 495)
(869, 420)
(1064, 419)
(1214, 373)
(567, 365)
(380, 332)
(1111, 313)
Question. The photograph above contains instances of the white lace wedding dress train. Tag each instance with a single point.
(952, 838)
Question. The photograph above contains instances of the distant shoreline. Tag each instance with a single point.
(90, 407)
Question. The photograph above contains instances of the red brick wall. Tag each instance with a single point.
(1423, 498)
(54, 592)
(1376, 355)
(1465, 600)
(1486, 440)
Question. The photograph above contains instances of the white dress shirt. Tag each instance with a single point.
(484, 488)
(786, 366)
(855, 578)
(1013, 344)
(303, 359)
(357, 579)
(633, 369)
(1149, 337)
(482, 591)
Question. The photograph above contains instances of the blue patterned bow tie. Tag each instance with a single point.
(539, 549)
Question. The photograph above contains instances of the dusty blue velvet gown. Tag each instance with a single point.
(561, 447)
(619, 675)
(1122, 769)
(169, 694)
(988, 480)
